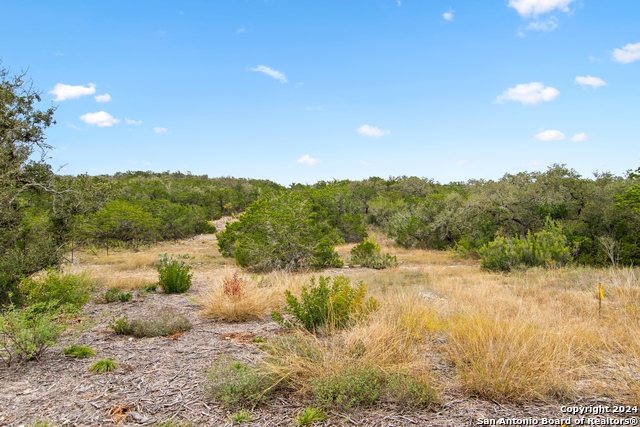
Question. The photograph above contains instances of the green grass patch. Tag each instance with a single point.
(79, 351)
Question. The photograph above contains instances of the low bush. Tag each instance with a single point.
(356, 386)
(173, 274)
(164, 322)
(113, 295)
(368, 255)
(333, 305)
(104, 365)
(26, 334)
(311, 415)
(62, 290)
(237, 384)
(547, 248)
(79, 351)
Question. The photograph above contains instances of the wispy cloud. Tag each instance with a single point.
(462, 162)
(527, 8)
(363, 163)
(145, 163)
(590, 81)
(594, 59)
(372, 131)
(133, 122)
(530, 93)
(399, 3)
(69, 125)
(627, 54)
(448, 15)
(306, 159)
(57, 53)
(546, 26)
(103, 98)
(580, 137)
(240, 30)
(100, 119)
(63, 92)
(273, 73)
(550, 135)
(159, 130)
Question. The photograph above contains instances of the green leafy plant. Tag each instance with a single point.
(173, 274)
(164, 322)
(311, 415)
(79, 351)
(327, 304)
(368, 254)
(26, 334)
(354, 387)
(104, 365)
(545, 248)
(402, 388)
(117, 295)
(237, 384)
(64, 290)
(241, 417)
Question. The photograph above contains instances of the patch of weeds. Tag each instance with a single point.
(165, 322)
(113, 295)
(241, 417)
(410, 391)
(257, 340)
(151, 287)
(79, 351)
(356, 386)
(237, 384)
(311, 415)
(104, 365)
(26, 334)
(67, 291)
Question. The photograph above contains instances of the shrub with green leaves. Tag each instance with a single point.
(357, 386)
(164, 322)
(311, 415)
(104, 365)
(325, 304)
(280, 232)
(237, 384)
(79, 351)
(546, 248)
(368, 254)
(173, 274)
(62, 290)
(26, 334)
(113, 295)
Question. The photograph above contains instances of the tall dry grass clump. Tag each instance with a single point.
(235, 299)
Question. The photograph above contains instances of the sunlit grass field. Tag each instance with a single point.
(527, 336)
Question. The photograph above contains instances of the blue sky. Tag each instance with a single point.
(301, 91)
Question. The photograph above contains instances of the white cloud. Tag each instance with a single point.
(57, 53)
(159, 130)
(546, 26)
(590, 81)
(363, 163)
(580, 137)
(530, 93)
(73, 127)
(372, 131)
(273, 73)
(240, 31)
(399, 3)
(145, 163)
(527, 8)
(448, 16)
(627, 54)
(550, 135)
(462, 162)
(100, 119)
(308, 160)
(103, 98)
(133, 122)
(62, 91)
(594, 59)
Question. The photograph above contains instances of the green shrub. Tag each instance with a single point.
(26, 334)
(79, 351)
(117, 295)
(280, 232)
(241, 417)
(327, 304)
(357, 386)
(104, 365)
(368, 254)
(165, 322)
(237, 384)
(173, 274)
(546, 248)
(409, 391)
(64, 290)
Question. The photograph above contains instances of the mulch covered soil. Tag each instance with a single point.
(165, 378)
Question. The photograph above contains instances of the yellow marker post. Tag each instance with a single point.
(600, 301)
